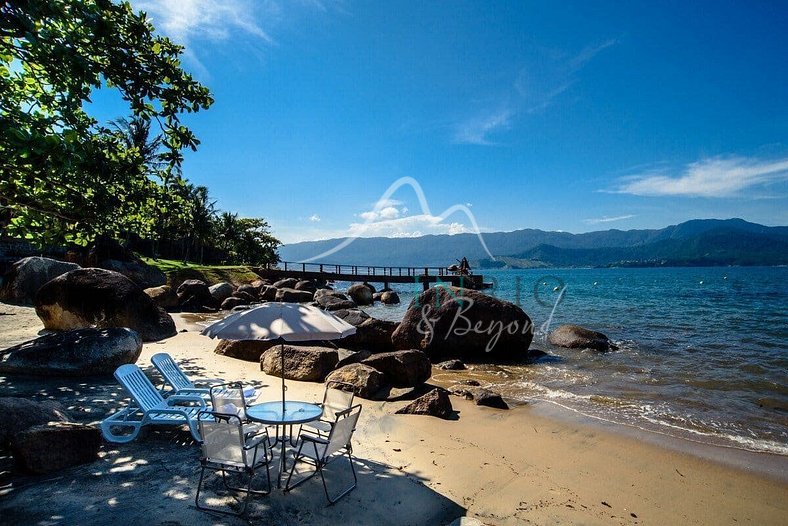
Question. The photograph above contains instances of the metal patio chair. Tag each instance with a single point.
(320, 452)
(228, 447)
(335, 400)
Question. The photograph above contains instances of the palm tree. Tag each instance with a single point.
(203, 216)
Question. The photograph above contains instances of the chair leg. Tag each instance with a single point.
(334, 500)
(248, 490)
(288, 487)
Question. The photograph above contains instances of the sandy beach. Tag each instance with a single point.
(532, 464)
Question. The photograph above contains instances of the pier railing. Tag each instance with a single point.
(359, 270)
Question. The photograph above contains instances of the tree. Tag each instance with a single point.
(203, 213)
(63, 176)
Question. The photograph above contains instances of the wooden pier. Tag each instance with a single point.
(361, 273)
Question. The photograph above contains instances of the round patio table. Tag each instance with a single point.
(295, 413)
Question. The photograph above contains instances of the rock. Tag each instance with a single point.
(306, 285)
(19, 414)
(452, 321)
(434, 403)
(360, 294)
(389, 298)
(334, 301)
(352, 357)
(248, 350)
(108, 254)
(232, 302)
(240, 308)
(249, 289)
(535, 354)
(80, 352)
(245, 296)
(163, 296)
(194, 296)
(376, 296)
(402, 368)
(267, 293)
(92, 297)
(451, 365)
(469, 381)
(286, 283)
(365, 380)
(576, 337)
(355, 317)
(57, 445)
(479, 395)
(222, 291)
(293, 295)
(371, 335)
(27, 275)
(370, 287)
(137, 271)
(260, 283)
(303, 363)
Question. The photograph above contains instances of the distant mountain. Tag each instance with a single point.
(696, 242)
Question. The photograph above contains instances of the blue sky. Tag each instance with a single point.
(571, 116)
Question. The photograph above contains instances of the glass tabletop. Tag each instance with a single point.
(295, 412)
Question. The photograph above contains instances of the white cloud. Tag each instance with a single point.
(478, 129)
(410, 226)
(715, 177)
(606, 219)
(314, 218)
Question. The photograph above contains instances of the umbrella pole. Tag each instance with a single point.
(282, 352)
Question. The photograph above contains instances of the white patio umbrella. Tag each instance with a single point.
(284, 322)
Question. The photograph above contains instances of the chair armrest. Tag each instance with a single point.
(256, 440)
(186, 398)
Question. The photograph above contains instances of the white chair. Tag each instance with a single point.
(174, 376)
(320, 452)
(337, 397)
(150, 409)
(226, 446)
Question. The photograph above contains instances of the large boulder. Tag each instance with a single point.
(163, 296)
(389, 297)
(307, 285)
(144, 275)
(402, 368)
(194, 296)
(355, 317)
(293, 295)
(248, 350)
(286, 283)
(373, 335)
(577, 337)
(434, 403)
(332, 300)
(360, 294)
(19, 414)
(93, 297)
(450, 321)
(222, 291)
(57, 445)
(304, 363)
(267, 293)
(251, 290)
(27, 275)
(80, 352)
(242, 294)
(365, 380)
(108, 254)
(233, 302)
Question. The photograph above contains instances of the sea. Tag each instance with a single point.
(702, 352)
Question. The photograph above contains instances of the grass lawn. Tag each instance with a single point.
(177, 271)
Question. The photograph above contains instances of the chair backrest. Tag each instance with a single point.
(229, 399)
(172, 374)
(222, 438)
(138, 386)
(342, 430)
(336, 400)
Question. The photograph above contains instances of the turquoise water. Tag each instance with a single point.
(703, 352)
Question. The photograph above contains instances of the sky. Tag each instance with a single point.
(411, 118)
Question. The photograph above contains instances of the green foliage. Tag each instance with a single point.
(63, 176)
(178, 271)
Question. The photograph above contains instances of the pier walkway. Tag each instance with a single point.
(363, 273)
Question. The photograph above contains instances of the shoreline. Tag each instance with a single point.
(531, 464)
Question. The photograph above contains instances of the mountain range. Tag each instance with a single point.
(699, 242)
